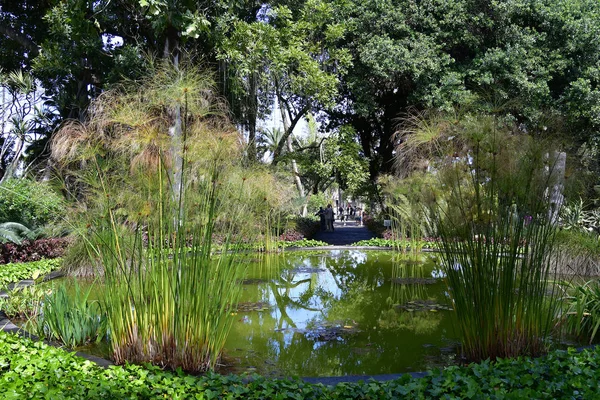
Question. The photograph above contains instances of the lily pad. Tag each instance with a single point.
(414, 281)
(250, 306)
(422, 305)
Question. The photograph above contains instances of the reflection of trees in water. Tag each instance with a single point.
(409, 272)
(419, 322)
(372, 271)
(403, 267)
(357, 294)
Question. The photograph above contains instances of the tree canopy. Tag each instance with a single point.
(351, 63)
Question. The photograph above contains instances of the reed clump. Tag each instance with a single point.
(157, 174)
(494, 207)
(170, 297)
(497, 229)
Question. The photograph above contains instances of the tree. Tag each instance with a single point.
(290, 59)
(23, 119)
(410, 55)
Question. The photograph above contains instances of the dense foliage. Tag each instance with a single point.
(33, 370)
(357, 64)
(33, 204)
(14, 272)
(33, 250)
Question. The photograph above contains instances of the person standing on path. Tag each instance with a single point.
(329, 218)
(321, 215)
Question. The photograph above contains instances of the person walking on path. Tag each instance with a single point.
(329, 218)
(321, 215)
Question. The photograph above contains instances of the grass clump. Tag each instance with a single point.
(70, 317)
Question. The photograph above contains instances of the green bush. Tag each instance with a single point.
(32, 370)
(33, 204)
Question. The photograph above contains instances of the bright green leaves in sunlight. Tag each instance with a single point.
(294, 56)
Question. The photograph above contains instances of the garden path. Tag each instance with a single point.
(344, 234)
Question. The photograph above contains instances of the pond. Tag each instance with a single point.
(340, 312)
(345, 312)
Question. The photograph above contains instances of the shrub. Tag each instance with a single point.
(300, 228)
(33, 204)
(33, 250)
(374, 225)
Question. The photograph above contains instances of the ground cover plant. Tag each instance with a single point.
(23, 302)
(400, 244)
(31, 370)
(15, 272)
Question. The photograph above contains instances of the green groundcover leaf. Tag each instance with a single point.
(33, 370)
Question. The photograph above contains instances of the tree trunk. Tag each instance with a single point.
(171, 52)
(251, 119)
(12, 166)
(295, 171)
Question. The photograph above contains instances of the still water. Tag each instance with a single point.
(335, 313)
(347, 312)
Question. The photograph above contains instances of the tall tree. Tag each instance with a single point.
(530, 55)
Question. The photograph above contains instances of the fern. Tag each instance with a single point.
(15, 232)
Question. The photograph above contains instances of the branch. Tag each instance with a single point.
(288, 132)
(312, 146)
(19, 38)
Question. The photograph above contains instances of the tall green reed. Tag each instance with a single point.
(497, 237)
(169, 298)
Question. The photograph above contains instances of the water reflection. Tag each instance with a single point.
(339, 313)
